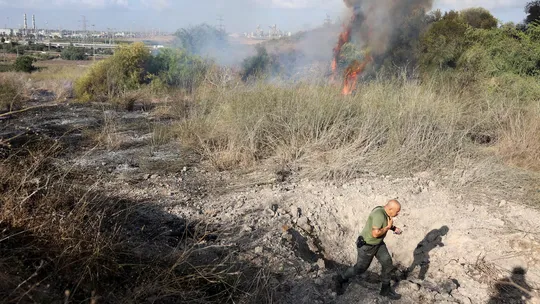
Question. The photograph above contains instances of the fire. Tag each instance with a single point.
(344, 37)
(351, 74)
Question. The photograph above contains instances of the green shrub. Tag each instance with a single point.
(124, 71)
(24, 64)
(73, 53)
(443, 43)
(201, 39)
(479, 18)
(177, 68)
(260, 64)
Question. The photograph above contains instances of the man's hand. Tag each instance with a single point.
(390, 223)
(398, 231)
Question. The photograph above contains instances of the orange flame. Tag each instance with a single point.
(344, 37)
(351, 74)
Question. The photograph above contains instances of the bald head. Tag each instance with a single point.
(392, 208)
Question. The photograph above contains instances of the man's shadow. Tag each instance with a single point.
(421, 253)
(513, 289)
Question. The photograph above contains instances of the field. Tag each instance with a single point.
(169, 178)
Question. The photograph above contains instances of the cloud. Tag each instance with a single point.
(38, 4)
(487, 4)
(299, 4)
(156, 4)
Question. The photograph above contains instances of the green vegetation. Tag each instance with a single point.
(200, 39)
(176, 68)
(24, 64)
(259, 65)
(533, 12)
(73, 53)
(132, 67)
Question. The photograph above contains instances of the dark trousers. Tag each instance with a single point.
(364, 259)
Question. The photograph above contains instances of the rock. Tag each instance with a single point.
(303, 223)
(408, 286)
(502, 203)
(295, 211)
(456, 294)
(258, 250)
(318, 281)
(312, 246)
(448, 286)
(146, 176)
(432, 184)
(287, 236)
(321, 264)
(417, 190)
(470, 208)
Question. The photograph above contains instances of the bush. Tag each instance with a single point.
(124, 71)
(479, 18)
(24, 64)
(11, 92)
(73, 53)
(176, 68)
(443, 43)
(260, 64)
(201, 39)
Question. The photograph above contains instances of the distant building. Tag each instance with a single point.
(7, 32)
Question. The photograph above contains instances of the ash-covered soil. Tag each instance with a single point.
(481, 247)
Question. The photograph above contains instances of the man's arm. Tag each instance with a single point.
(377, 232)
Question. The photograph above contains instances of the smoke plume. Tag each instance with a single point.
(373, 27)
(374, 23)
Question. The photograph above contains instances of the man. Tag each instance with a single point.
(371, 244)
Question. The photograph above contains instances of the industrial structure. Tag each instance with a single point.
(273, 33)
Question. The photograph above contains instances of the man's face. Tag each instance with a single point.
(395, 211)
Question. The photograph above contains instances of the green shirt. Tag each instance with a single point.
(379, 219)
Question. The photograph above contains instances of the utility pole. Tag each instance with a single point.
(84, 22)
(220, 25)
(93, 43)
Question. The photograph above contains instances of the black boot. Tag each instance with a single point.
(339, 284)
(388, 292)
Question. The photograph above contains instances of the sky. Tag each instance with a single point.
(238, 15)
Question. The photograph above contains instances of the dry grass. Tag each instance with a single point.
(53, 76)
(64, 240)
(520, 139)
(388, 126)
(13, 91)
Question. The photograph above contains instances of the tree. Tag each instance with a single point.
(479, 18)
(24, 64)
(201, 39)
(444, 42)
(73, 53)
(259, 64)
(3, 40)
(532, 9)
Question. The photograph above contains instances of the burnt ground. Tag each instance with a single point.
(299, 231)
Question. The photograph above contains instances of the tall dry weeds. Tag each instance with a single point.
(388, 126)
(13, 91)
